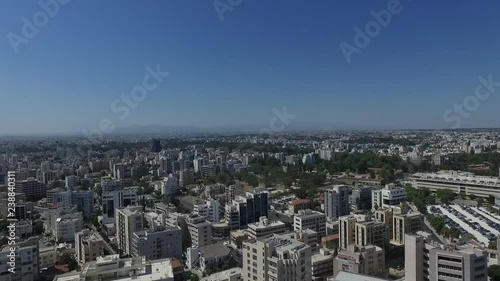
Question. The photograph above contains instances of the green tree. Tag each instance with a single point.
(445, 195)
(494, 272)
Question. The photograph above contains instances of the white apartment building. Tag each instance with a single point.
(115, 199)
(459, 182)
(308, 219)
(71, 182)
(368, 260)
(388, 197)
(169, 185)
(210, 211)
(276, 258)
(158, 243)
(67, 226)
(200, 231)
(425, 260)
(371, 233)
(128, 221)
(265, 228)
(113, 268)
(27, 262)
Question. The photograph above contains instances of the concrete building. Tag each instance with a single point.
(88, 246)
(252, 206)
(464, 183)
(128, 221)
(405, 224)
(322, 265)
(71, 182)
(200, 231)
(347, 231)
(27, 261)
(308, 219)
(371, 233)
(63, 223)
(186, 177)
(169, 185)
(276, 258)
(361, 199)
(114, 268)
(32, 188)
(337, 202)
(425, 260)
(115, 199)
(233, 274)
(386, 216)
(84, 200)
(47, 257)
(208, 257)
(159, 243)
(388, 197)
(368, 260)
(265, 228)
(210, 210)
(299, 204)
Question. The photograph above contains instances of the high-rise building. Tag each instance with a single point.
(252, 206)
(27, 261)
(89, 246)
(158, 243)
(128, 221)
(337, 202)
(361, 199)
(84, 200)
(425, 260)
(371, 233)
(308, 219)
(169, 185)
(32, 188)
(276, 258)
(200, 231)
(347, 231)
(405, 224)
(210, 211)
(155, 145)
(117, 199)
(186, 177)
(71, 182)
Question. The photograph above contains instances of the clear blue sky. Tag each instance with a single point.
(263, 55)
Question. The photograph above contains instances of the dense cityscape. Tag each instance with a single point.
(377, 205)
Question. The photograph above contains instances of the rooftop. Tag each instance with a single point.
(214, 250)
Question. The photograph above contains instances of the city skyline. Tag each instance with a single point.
(234, 71)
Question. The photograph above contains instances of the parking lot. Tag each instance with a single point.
(468, 220)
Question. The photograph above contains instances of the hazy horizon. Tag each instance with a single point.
(241, 68)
